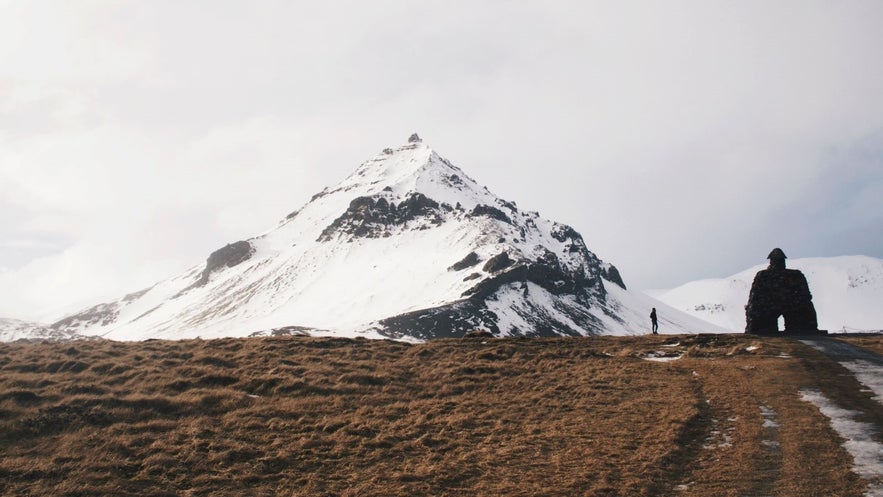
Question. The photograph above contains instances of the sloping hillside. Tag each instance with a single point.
(847, 292)
(706, 415)
(16, 329)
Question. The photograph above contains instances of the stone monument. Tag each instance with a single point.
(777, 291)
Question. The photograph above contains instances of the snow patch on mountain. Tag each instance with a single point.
(846, 290)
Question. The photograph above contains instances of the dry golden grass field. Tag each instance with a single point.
(296, 416)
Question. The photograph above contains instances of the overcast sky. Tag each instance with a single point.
(684, 140)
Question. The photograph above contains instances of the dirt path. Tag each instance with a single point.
(766, 436)
(858, 419)
(842, 351)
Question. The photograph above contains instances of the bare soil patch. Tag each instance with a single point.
(298, 416)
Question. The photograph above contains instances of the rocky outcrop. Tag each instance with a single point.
(491, 212)
(564, 233)
(447, 321)
(478, 334)
(375, 216)
(470, 260)
(611, 274)
(456, 319)
(507, 274)
(546, 272)
(574, 243)
(230, 255)
(498, 262)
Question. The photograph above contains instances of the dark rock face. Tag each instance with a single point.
(547, 271)
(491, 212)
(470, 260)
(777, 291)
(498, 263)
(228, 256)
(448, 321)
(574, 243)
(372, 217)
(457, 319)
(478, 334)
(611, 274)
(563, 233)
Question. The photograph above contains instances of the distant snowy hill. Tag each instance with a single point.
(406, 246)
(847, 293)
(14, 329)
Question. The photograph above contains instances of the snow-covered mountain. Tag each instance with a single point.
(847, 293)
(15, 329)
(406, 246)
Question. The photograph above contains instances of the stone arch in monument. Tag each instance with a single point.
(778, 291)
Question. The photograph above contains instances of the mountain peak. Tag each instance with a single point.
(396, 173)
(407, 245)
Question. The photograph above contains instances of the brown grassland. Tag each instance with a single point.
(296, 416)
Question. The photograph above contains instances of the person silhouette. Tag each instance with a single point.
(654, 322)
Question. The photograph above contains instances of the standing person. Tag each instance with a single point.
(654, 322)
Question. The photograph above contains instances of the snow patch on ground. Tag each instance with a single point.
(719, 438)
(769, 416)
(662, 357)
(866, 452)
(869, 375)
(770, 428)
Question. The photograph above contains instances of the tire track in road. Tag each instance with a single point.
(866, 366)
(842, 351)
(770, 465)
(862, 439)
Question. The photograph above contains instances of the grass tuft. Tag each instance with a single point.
(300, 416)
